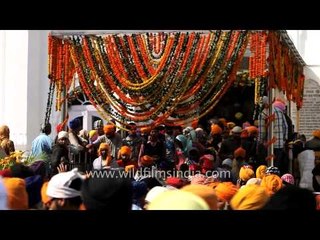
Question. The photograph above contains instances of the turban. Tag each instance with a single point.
(273, 170)
(125, 150)
(198, 179)
(154, 192)
(104, 146)
(223, 121)
(254, 181)
(98, 124)
(107, 193)
(226, 190)
(215, 129)
(227, 162)
(246, 173)
(175, 182)
(92, 133)
(178, 200)
(231, 125)
(240, 152)
(236, 129)
(280, 105)
(59, 127)
(44, 197)
(145, 130)
(75, 124)
(261, 171)
(251, 197)
(63, 134)
(146, 161)
(245, 125)
(272, 183)
(17, 193)
(108, 129)
(205, 193)
(59, 185)
(288, 178)
(316, 133)
(6, 173)
(252, 130)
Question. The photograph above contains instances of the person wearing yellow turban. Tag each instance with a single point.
(178, 200)
(205, 193)
(251, 197)
(261, 171)
(272, 183)
(225, 191)
(16, 193)
(246, 173)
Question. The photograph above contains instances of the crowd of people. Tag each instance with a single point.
(219, 166)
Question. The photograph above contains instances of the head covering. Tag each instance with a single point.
(225, 191)
(92, 133)
(272, 183)
(288, 178)
(198, 179)
(280, 105)
(249, 197)
(207, 161)
(33, 187)
(215, 129)
(63, 134)
(238, 115)
(3, 196)
(246, 173)
(205, 193)
(4, 132)
(292, 198)
(108, 129)
(261, 171)
(246, 125)
(178, 200)
(125, 150)
(17, 193)
(236, 130)
(175, 182)
(265, 100)
(273, 170)
(74, 124)
(227, 162)
(146, 161)
(254, 181)
(316, 133)
(239, 152)
(107, 193)
(59, 127)
(145, 130)
(59, 185)
(231, 125)
(97, 124)
(39, 168)
(154, 192)
(104, 146)
(252, 130)
(44, 197)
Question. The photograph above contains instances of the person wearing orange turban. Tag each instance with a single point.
(205, 193)
(316, 133)
(146, 161)
(17, 193)
(272, 183)
(239, 152)
(216, 129)
(44, 197)
(251, 197)
(252, 131)
(125, 158)
(261, 171)
(109, 129)
(225, 191)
